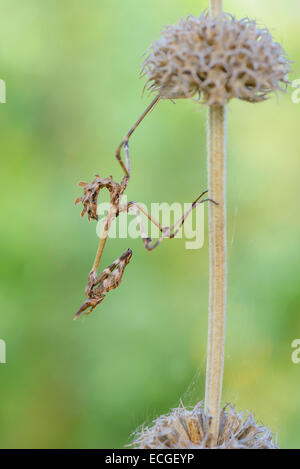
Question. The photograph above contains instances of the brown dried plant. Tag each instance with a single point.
(189, 429)
(218, 57)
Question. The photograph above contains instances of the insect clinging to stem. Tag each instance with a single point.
(111, 277)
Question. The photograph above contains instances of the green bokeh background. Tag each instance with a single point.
(71, 69)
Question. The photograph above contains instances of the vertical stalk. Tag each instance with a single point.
(216, 164)
(216, 7)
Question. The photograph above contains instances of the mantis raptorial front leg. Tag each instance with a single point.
(166, 232)
(133, 128)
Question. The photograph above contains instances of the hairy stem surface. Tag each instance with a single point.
(216, 165)
(216, 7)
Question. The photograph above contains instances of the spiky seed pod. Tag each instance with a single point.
(219, 58)
(184, 428)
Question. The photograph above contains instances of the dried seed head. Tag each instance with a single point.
(184, 428)
(219, 58)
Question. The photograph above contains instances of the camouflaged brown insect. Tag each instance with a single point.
(111, 277)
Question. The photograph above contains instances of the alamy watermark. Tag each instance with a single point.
(296, 353)
(139, 224)
(296, 93)
(2, 91)
(2, 351)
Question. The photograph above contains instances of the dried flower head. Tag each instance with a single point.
(184, 428)
(219, 58)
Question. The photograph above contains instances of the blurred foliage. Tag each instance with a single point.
(71, 70)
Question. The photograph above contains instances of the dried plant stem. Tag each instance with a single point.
(217, 265)
(215, 7)
(216, 165)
